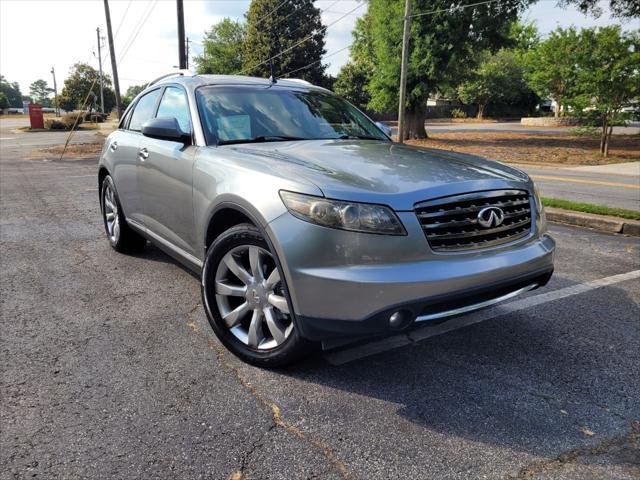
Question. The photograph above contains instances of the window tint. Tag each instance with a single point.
(125, 119)
(144, 110)
(174, 104)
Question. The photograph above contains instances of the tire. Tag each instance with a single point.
(121, 237)
(247, 302)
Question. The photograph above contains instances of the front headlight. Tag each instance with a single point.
(356, 217)
(540, 208)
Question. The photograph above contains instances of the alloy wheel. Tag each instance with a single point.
(111, 216)
(250, 298)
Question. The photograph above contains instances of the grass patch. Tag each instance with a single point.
(591, 208)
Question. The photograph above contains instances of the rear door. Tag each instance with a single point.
(166, 176)
(124, 147)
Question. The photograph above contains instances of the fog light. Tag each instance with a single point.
(400, 319)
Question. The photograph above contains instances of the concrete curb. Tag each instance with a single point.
(604, 223)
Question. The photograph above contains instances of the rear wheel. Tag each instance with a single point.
(246, 299)
(122, 238)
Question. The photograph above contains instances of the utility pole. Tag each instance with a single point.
(101, 76)
(55, 91)
(114, 65)
(403, 70)
(187, 56)
(181, 43)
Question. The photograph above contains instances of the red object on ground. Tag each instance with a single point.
(35, 115)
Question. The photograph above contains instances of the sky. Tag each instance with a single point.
(36, 35)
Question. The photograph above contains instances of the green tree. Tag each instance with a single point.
(40, 91)
(553, 68)
(608, 77)
(443, 39)
(619, 8)
(82, 79)
(4, 101)
(12, 92)
(498, 78)
(354, 77)
(289, 30)
(131, 93)
(223, 48)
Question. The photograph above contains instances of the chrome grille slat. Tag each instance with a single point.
(451, 223)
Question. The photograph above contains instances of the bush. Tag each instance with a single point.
(70, 119)
(584, 131)
(457, 113)
(95, 117)
(54, 124)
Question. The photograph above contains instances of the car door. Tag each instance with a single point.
(124, 148)
(166, 174)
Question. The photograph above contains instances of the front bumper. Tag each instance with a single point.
(344, 283)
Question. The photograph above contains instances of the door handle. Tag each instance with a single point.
(143, 154)
(114, 146)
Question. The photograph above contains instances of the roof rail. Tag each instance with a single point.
(180, 73)
(297, 80)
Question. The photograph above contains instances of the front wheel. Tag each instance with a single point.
(246, 299)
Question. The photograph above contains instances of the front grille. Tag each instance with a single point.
(451, 223)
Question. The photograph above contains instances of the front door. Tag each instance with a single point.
(165, 178)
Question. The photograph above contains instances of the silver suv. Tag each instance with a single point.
(306, 222)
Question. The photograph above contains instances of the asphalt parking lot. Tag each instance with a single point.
(109, 368)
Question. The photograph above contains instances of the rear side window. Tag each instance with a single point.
(174, 104)
(144, 110)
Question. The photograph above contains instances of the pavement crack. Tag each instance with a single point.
(276, 413)
(605, 446)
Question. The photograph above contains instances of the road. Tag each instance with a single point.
(109, 369)
(511, 127)
(615, 186)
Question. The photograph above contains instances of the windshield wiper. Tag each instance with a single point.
(358, 137)
(260, 139)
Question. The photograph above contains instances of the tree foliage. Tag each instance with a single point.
(12, 92)
(619, 8)
(131, 93)
(354, 77)
(223, 48)
(553, 68)
(40, 92)
(290, 30)
(442, 42)
(607, 77)
(4, 101)
(498, 78)
(80, 83)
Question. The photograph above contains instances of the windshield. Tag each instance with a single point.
(263, 114)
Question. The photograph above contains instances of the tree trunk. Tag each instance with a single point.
(603, 134)
(607, 140)
(414, 123)
(558, 107)
(481, 107)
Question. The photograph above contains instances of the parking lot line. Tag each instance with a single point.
(347, 355)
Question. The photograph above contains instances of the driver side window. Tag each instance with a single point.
(174, 104)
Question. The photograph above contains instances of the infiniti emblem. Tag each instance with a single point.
(490, 217)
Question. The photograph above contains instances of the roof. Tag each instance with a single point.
(195, 80)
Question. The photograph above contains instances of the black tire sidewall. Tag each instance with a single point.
(291, 349)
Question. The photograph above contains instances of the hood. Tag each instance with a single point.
(384, 172)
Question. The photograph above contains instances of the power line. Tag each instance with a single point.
(122, 19)
(317, 61)
(141, 24)
(308, 37)
(453, 8)
(264, 17)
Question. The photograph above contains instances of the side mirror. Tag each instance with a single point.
(385, 128)
(166, 128)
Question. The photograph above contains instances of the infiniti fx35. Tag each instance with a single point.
(306, 221)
